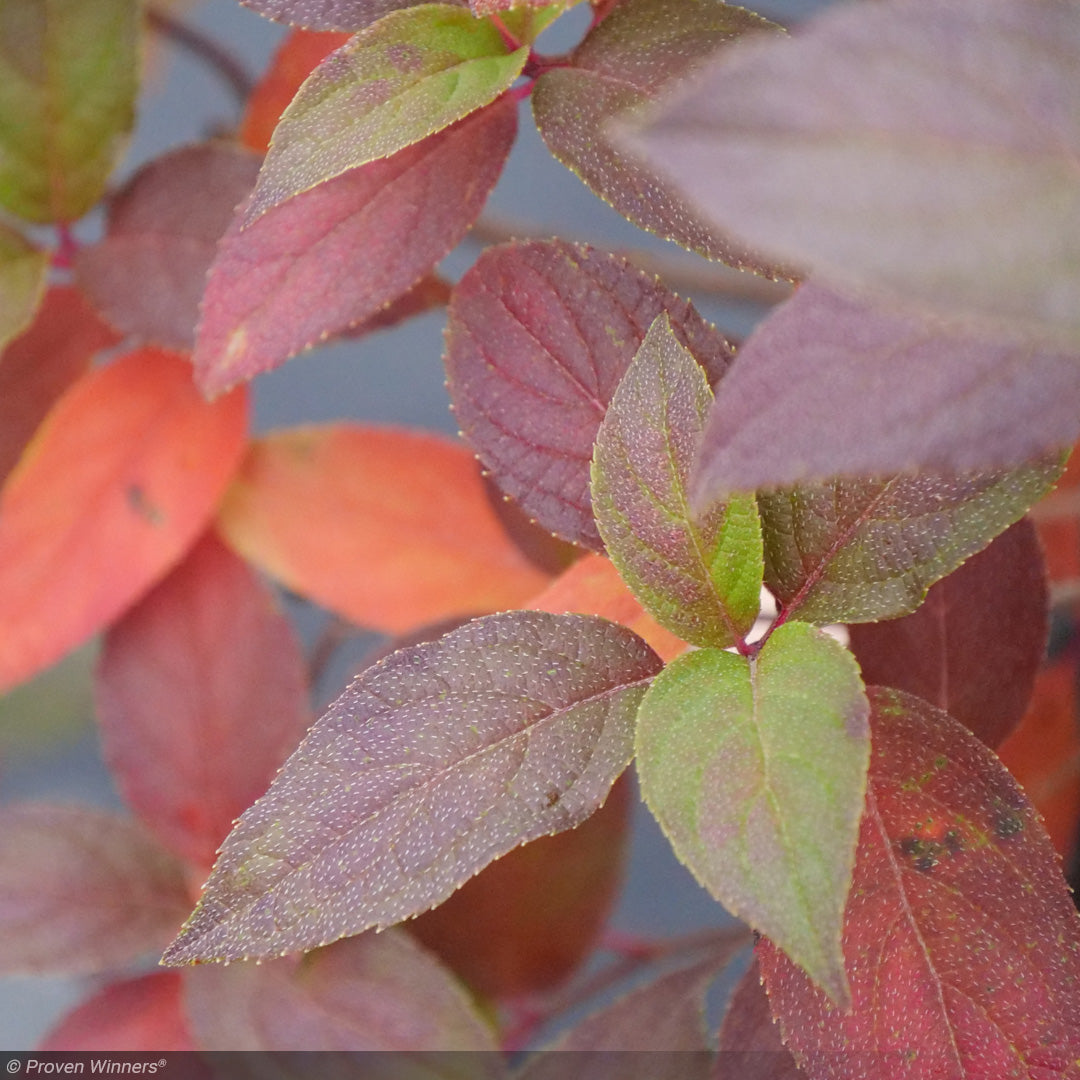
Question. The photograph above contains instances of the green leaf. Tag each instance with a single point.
(700, 577)
(756, 770)
(68, 78)
(858, 550)
(409, 75)
(23, 270)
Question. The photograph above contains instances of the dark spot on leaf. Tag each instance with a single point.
(142, 506)
(1007, 823)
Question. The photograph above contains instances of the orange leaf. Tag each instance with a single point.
(390, 528)
(119, 480)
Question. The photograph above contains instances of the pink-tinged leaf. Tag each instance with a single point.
(373, 992)
(119, 480)
(82, 890)
(23, 270)
(148, 273)
(975, 645)
(750, 1043)
(539, 336)
(344, 15)
(144, 1014)
(628, 61)
(201, 696)
(961, 940)
(927, 152)
(338, 254)
(40, 364)
(435, 762)
(426, 295)
(830, 386)
(391, 528)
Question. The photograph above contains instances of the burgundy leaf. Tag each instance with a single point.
(345, 15)
(975, 645)
(539, 336)
(335, 256)
(202, 694)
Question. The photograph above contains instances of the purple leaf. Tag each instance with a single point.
(344, 15)
(435, 762)
(539, 336)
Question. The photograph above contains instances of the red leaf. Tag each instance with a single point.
(961, 941)
(120, 479)
(390, 528)
(144, 1014)
(348, 15)
(201, 695)
(39, 365)
(337, 254)
(974, 647)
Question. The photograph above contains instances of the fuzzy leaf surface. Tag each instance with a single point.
(756, 770)
(412, 74)
(700, 576)
(927, 153)
(119, 480)
(958, 908)
(201, 695)
(829, 386)
(539, 336)
(860, 550)
(639, 50)
(975, 645)
(344, 15)
(391, 528)
(23, 271)
(82, 890)
(337, 255)
(433, 763)
(68, 78)
(148, 274)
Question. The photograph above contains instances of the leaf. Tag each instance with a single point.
(431, 765)
(430, 292)
(148, 273)
(40, 364)
(122, 476)
(958, 908)
(201, 695)
(82, 890)
(410, 75)
(23, 271)
(337, 255)
(525, 922)
(829, 386)
(351, 15)
(143, 1014)
(389, 527)
(539, 335)
(859, 550)
(700, 577)
(931, 154)
(632, 58)
(375, 992)
(68, 78)
(975, 645)
(756, 771)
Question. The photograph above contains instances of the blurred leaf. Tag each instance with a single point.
(201, 694)
(700, 576)
(68, 78)
(39, 365)
(975, 645)
(828, 386)
(350, 15)
(82, 890)
(23, 271)
(433, 763)
(524, 923)
(539, 336)
(756, 770)
(373, 992)
(389, 527)
(134, 1015)
(930, 152)
(121, 477)
(148, 274)
(408, 76)
(628, 61)
(958, 909)
(337, 255)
